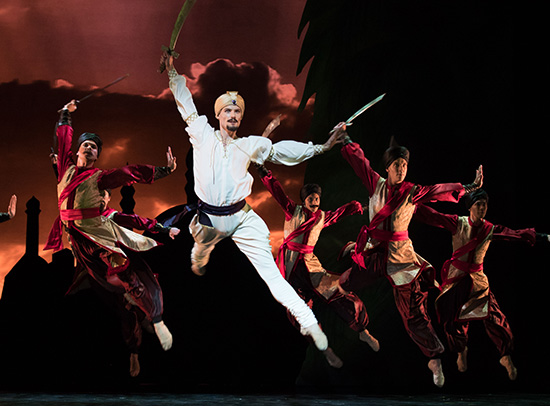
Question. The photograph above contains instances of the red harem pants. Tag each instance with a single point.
(410, 300)
(136, 279)
(347, 306)
(496, 325)
(129, 317)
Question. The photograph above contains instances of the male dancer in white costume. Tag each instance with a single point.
(222, 183)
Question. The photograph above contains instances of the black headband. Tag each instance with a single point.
(91, 137)
(471, 198)
(394, 152)
(309, 189)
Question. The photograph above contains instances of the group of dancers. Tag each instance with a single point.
(104, 244)
(382, 249)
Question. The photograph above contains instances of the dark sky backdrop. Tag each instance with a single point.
(52, 52)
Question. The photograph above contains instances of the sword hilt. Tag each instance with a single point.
(170, 52)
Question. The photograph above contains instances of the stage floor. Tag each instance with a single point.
(159, 399)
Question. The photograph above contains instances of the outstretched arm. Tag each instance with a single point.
(292, 152)
(529, 235)
(129, 174)
(432, 217)
(349, 209)
(447, 192)
(135, 221)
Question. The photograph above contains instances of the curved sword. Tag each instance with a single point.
(184, 12)
(363, 109)
(349, 121)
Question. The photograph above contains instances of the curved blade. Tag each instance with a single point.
(182, 16)
(364, 108)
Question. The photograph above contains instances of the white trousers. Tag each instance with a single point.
(251, 235)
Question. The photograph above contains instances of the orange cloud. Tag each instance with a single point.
(258, 199)
(62, 83)
(114, 149)
(164, 95)
(286, 94)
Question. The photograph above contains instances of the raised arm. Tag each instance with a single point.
(197, 125)
(183, 96)
(64, 133)
(276, 189)
(355, 156)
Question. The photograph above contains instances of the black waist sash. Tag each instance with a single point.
(203, 209)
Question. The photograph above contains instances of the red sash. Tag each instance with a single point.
(459, 252)
(391, 205)
(55, 238)
(301, 248)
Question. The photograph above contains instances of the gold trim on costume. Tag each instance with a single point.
(192, 117)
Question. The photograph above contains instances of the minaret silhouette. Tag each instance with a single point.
(33, 211)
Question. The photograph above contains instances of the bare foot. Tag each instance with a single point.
(366, 337)
(134, 365)
(332, 359)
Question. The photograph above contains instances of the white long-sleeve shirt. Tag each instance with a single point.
(221, 171)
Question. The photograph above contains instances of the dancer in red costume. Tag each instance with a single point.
(383, 247)
(98, 243)
(465, 292)
(301, 267)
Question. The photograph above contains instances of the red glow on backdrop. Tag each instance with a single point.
(52, 53)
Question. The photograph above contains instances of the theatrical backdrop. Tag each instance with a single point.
(448, 72)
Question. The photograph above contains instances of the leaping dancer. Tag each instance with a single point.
(222, 183)
(97, 242)
(383, 248)
(301, 267)
(465, 293)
